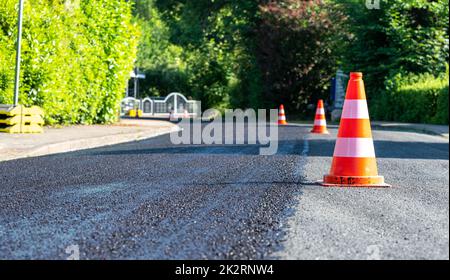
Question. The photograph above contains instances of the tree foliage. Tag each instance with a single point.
(77, 54)
(400, 37)
(299, 43)
(244, 53)
(207, 42)
(403, 49)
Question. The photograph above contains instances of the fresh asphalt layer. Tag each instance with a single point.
(155, 200)
(410, 220)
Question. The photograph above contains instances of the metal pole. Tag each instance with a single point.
(135, 82)
(19, 43)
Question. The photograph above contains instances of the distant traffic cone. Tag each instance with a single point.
(354, 162)
(282, 116)
(172, 116)
(320, 122)
(186, 114)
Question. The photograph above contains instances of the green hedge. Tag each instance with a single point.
(413, 98)
(76, 57)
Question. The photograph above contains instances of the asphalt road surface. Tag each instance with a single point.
(155, 200)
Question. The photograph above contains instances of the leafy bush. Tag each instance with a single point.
(402, 36)
(76, 57)
(413, 98)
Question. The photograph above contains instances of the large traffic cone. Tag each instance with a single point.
(282, 116)
(354, 162)
(320, 122)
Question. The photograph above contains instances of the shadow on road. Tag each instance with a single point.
(187, 149)
(318, 148)
(389, 149)
(257, 183)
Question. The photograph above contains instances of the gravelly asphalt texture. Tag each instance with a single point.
(153, 200)
(410, 220)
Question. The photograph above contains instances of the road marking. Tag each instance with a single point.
(305, 147)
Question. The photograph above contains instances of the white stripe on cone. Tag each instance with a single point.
(320, 122)
(354, 147)
(320, 111)
(355, 109)
(282, 118)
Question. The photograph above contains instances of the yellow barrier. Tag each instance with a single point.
(20, 119)
(133, 113)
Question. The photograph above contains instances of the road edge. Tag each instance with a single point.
(90, 143)
(392, 127)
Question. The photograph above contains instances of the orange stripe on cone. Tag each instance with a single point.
(320, 122)
(282, 116)
(355, 128)
(354, 161)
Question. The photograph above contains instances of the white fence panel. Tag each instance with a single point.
(175, 103)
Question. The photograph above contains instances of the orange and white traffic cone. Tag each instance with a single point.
(320, 122)
(282, 116)
(172, 116)
(186, 114)
(354, 161)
